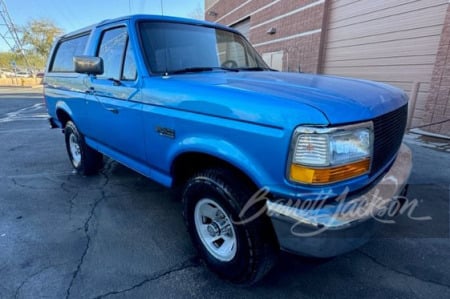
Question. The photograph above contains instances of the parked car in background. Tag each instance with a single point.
(6, 73)
(264, 160)
(23, 74)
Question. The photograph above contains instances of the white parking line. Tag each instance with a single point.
(27, 113)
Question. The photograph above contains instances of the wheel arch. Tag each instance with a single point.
(188, 163)
(62, 116)
(63, 113)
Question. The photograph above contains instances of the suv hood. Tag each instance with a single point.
(340, 100)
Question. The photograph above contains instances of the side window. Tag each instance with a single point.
(65, 51)
(112, 49)
(129, 65)
(233, 51)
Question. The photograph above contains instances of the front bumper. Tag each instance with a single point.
(341, 226)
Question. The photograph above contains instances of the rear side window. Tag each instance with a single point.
(66, 50)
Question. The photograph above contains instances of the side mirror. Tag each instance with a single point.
(90, 65)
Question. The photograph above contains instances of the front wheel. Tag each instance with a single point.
(84, 159)
(241, 253)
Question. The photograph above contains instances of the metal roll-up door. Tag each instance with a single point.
(389, 41)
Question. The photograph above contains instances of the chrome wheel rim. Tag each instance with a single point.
(215, 230)
(75, 150)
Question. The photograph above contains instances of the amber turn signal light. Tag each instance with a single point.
(308, 175)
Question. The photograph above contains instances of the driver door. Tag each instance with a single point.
(114, 110)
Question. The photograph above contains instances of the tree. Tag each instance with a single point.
(32, 60)
(38, 36)
(198, 13)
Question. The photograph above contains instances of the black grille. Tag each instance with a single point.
(388, 130)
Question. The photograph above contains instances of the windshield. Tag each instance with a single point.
(175, 47)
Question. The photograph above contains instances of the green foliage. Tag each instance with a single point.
(6, 58)
(37, 40)
(38, 36)
(35, 62)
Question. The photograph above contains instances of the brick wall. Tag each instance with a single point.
(437, 107)
(300, 35)
(298, 27)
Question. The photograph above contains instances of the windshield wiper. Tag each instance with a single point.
(192, 70)
(227, 69)
(256, 68)
(200, 69)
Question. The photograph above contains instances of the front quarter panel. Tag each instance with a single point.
(241, 144)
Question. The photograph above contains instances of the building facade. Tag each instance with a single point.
(405, 43)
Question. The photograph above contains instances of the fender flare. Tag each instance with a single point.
(222, 150)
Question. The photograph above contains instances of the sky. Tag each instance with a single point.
(74, 14)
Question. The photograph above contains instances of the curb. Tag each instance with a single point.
(429, 134)
(19, 87)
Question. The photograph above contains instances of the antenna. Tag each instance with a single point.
(162, 7)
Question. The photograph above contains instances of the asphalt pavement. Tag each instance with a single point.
(118, 234)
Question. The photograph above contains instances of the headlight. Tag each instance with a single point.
(327, 155)
(350, 146)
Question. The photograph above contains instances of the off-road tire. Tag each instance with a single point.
(256, 245)
(83, 158)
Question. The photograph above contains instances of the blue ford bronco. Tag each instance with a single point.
(263, 160)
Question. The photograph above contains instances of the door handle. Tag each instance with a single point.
(113, 110)
(91, 90)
